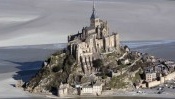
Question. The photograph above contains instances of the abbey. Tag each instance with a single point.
(93, 40)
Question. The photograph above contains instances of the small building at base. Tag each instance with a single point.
(150, 77)
(95, 89)
(63, 90)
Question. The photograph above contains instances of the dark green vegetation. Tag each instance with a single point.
(118, 82)
(56, 71)
(98, 63)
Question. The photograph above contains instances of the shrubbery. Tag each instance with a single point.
(97, 63)
(68, 62)
(118, 82)
(59, 52)
(57, 68)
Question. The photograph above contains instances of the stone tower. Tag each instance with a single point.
(94, 19)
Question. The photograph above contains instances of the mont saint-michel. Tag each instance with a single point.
(95, 63)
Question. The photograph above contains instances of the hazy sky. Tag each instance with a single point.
(50, 21)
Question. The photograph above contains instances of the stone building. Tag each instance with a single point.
(95, 89)
(87, 45)
(63, 90)
(150, 77)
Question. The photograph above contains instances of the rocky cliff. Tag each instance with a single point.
(118, 70)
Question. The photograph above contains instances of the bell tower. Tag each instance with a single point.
(94, 20)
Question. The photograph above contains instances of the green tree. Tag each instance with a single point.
(98, 63)
(68, 62)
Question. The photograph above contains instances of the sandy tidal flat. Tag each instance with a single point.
(6, 87)
(20, 63)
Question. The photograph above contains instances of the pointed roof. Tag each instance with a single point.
(93, 16)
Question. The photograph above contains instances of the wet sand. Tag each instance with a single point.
(19, 64)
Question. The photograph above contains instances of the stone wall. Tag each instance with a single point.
(163, 79)
(170, 76)
(153, 83)
(86, 63)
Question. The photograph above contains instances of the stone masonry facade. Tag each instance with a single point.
(93, 40)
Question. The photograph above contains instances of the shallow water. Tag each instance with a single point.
(162, 50)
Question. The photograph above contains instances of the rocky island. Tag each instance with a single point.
(95, 63)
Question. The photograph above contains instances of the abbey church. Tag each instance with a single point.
(93, 40)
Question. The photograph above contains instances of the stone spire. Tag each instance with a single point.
(93, 16)
(94, 20)
(93, 6)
